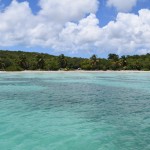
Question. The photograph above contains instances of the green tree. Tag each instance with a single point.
(23, 62)
(86, 64)
(62, 61)
(2, 64)
(53, 65)
(40, 62)
(123, 62)
(94, 62)
(113, 57)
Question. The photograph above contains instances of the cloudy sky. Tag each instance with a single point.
(76, 27)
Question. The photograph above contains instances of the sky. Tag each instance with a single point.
(77, 28)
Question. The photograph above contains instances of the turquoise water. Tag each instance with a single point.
(75, 111)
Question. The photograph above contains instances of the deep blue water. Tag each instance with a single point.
(75, 111)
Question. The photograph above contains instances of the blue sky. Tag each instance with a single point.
(91, 26)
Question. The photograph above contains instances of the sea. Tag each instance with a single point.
(75, 111)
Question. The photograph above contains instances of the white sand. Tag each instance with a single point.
(76, 71)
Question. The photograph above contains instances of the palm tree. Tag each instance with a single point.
(94, 61)
(62, 61)
(123, 62)
(113, 57)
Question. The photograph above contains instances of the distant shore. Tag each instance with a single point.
(77, 71)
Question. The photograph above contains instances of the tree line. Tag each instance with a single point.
(19, 61)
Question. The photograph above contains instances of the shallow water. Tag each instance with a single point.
(75, 111)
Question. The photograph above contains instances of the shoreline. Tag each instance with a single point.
(77, 71)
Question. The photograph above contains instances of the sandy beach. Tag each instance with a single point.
(77, 71)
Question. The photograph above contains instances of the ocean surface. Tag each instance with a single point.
(75, 111)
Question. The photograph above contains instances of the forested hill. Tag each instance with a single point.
(18, 61)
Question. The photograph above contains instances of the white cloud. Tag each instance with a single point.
(129, 33)
(20, 26)
(67, 10)
(15, 23)
(122, 5)
(81, 35)
(74, 31)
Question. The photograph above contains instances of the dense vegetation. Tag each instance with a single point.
(18, 61)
